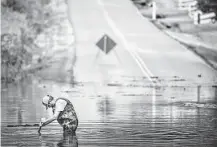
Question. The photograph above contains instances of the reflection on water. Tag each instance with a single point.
(19, 103)
(105, 106)
(67, 140)
(109, 116)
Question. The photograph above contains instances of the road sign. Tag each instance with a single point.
(106, 44)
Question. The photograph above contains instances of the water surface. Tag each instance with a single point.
(121, 113)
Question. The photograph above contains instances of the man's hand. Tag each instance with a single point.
(42, 121)
(40, 125)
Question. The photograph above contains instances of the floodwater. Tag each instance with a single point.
(120, 113)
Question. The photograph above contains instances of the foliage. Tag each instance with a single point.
(22, 22)
(31, 28)
(13, 56)
(207, 5)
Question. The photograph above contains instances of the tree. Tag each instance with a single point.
(22, 21)
(207, 5)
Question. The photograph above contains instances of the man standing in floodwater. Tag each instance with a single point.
(63, 112)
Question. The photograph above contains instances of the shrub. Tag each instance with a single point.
(21, 23)
(12, 55)
(207, 5)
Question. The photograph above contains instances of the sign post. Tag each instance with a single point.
(105, 44)
(154, 10)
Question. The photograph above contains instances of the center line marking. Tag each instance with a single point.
(134, 55)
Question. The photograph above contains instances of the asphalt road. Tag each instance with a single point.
(142, 49)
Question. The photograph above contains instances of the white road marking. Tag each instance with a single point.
(134, 55)
(140, 65)
(143, 63)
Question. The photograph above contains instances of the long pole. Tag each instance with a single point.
(198, 93)
(154, 9)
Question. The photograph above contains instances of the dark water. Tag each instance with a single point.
(112, 114)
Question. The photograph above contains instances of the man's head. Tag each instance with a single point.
(47, 101)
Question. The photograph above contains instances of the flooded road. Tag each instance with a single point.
(123, 112)
(115, 101)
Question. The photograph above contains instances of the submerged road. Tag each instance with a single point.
(121, 99)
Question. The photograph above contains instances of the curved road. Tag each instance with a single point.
(142, 49)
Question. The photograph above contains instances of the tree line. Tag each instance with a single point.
(207, 5)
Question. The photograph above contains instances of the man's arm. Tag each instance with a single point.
(55, 116)
(60, 105)
(42, 124)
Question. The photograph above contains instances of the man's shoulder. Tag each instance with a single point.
(60, 104)
(61, 101)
